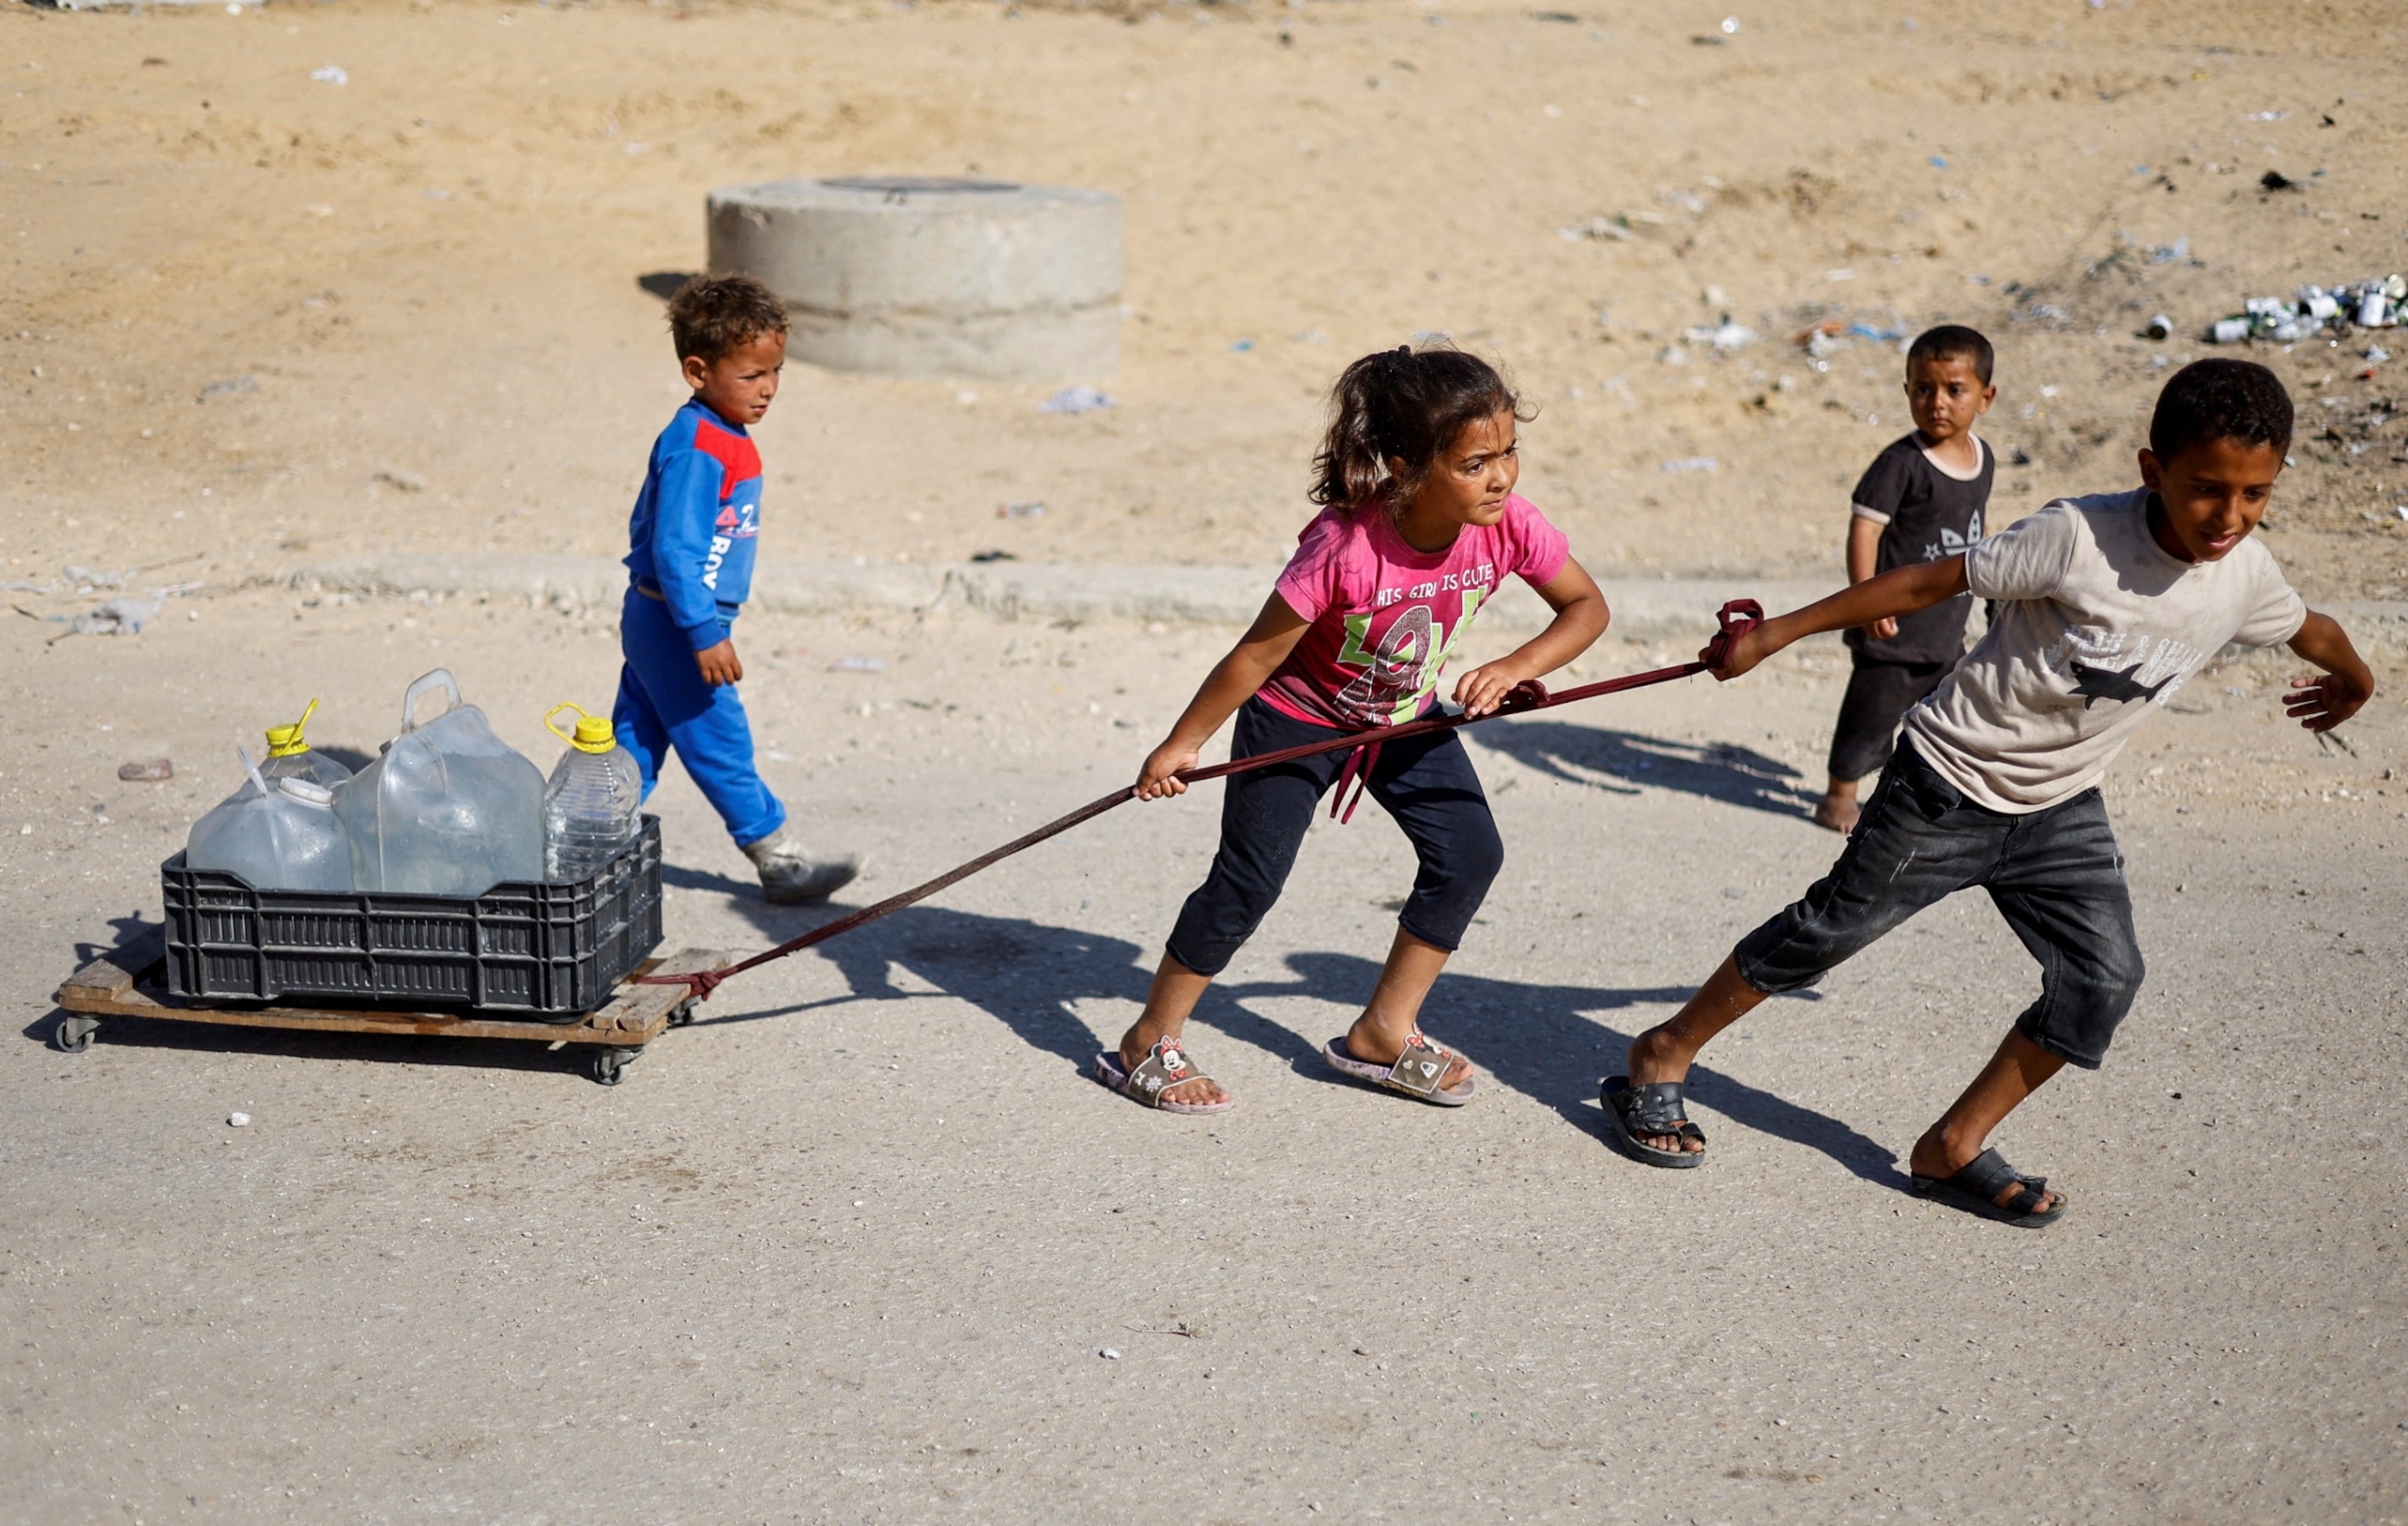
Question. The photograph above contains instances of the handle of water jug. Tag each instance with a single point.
(426, 684)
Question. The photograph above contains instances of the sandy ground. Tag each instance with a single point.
(852, 1247)
(431, 272)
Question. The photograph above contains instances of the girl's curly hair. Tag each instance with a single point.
(1391, 414)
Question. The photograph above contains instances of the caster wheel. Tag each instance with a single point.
(681, 1014)
(610, 1064)
(73, 1035)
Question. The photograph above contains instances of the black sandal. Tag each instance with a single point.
(1975, 1190)
(1656, 1108)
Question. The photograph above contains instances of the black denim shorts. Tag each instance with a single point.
(2054, 874)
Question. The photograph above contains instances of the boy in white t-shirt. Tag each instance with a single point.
(2107, 605)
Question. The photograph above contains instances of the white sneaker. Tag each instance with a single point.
(790, 876)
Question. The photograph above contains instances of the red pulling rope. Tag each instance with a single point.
(1737, 617)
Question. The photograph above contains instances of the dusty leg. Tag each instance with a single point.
(1837, 809)
(1379, 1035)
(1176, 991)
(1664, 1052)
(2015, 1072)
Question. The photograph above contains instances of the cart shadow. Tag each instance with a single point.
(1549, 1042)
(1622, 762)
(300, 1043)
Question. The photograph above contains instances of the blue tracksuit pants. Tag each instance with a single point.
(663, 704)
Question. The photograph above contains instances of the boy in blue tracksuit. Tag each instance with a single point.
(692, 533)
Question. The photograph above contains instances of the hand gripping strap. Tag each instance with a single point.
(1737, 618)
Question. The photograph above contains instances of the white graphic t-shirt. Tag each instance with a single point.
(2095, 624)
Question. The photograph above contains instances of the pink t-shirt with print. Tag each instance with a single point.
(1385, 616)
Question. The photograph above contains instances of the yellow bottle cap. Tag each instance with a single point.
(285, 741)
(591, 734)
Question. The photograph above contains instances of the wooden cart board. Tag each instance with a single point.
(126, 983)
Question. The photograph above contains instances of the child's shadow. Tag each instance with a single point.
(1542, 1041)
(1620, 762)
(1539, 1039)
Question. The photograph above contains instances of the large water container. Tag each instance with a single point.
(289, 756)
(590, 803)
(278, 834)
(448, 809)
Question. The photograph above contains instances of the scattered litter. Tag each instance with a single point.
(395, 477)
(156, 771)
(2275, 179)
(115, 616)
(2166, 254)
(1938, 163)
(1108, 1354)
(1241, 346)
(1616, 227)
(331, 75)
(91, 580)
(1730, 26)
(1075, 400)
(2019, 457)
(238, 1120)
(1725, 337)
(1310, 336)
(858, 665)
(2264, 116)
(230, 386)
(2159, 327)
(1840, 274)
(2376, 354)
(1033, 509)
(2400, 509)
(2372, 303)
(1673, 355)
(994, 556)
(1689, 463)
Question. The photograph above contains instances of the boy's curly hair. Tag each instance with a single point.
(714, 316)
(2220, 400)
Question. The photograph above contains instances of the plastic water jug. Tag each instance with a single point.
(289, 756)
(448, 809)
(279, 835)
(590, 803)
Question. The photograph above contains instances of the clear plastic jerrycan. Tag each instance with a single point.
(278, 834)
(448, 809)
(590, 804)
(289, 756)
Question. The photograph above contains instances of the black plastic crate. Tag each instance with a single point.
(544, 950)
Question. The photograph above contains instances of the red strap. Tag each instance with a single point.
(1359, 765)
(1736, 619)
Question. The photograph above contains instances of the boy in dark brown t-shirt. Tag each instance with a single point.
(1921, 500)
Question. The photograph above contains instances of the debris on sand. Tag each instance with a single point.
(151, 771)
(113, 617)
(2372, 303)
(1075, 400)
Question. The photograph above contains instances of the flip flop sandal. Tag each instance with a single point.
(1164, 1066)
(1416, 1072)
(1976, 1190)
(1659, 1107)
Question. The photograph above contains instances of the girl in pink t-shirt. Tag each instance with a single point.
(1419, 527)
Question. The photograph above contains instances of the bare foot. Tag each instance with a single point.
(1935, 1159)
(1654, 1057)
(1201, 1093)
(1839, 813)
(1368, 1044)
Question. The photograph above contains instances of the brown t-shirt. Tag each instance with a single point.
(2095, 624)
